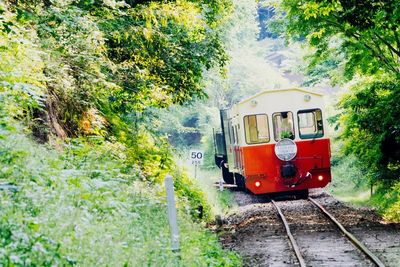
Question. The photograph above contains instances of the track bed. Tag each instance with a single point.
(256, 231)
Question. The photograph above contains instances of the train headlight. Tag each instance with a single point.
(286, 149)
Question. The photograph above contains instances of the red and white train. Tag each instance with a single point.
(275, 141)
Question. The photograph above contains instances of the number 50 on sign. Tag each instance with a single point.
(196, 157)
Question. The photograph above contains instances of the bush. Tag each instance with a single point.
(388, 201)
(87, 205)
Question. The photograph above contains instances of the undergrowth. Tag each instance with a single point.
(349, 184)
(87, 207)
(388, 202)
(220, 201)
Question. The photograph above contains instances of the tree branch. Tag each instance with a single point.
(381, 56)
(396, 36)
(388, 44)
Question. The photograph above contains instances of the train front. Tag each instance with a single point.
(297, 154)
(277, 141)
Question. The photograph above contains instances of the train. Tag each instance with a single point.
(275, 141)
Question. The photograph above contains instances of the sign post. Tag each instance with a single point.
(196, 158)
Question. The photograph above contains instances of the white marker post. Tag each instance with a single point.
(173, 222)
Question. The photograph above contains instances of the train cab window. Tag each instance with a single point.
(310, 123)
(283, 125)
(256, 129)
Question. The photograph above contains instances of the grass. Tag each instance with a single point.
(358, 198)
(85, 206)
(206, 177)
(350, 185)
(388, 202)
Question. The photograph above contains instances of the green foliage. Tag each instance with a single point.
(181, 124)
(220, 202)
(193, 196)
(21, 245)
(159, 54)
(125, 55)
(75, 80)
(388, 202)
(21, 81)
(371, 126)
(367, 33)
(348, 179)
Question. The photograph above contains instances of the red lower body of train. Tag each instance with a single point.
(262, 172)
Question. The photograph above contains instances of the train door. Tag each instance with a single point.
(231, 146)
(222, 140)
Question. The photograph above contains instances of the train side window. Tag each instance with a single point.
(256, 128)
(283, 125)
(230, 132)
(232, 135)
(310, 123)
(236, 135)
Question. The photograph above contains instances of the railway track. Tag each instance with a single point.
(359, 245)
(255, 230)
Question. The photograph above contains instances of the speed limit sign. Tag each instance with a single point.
(196, 157)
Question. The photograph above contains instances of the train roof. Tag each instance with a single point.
(277, 91)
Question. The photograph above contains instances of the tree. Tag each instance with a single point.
(366, 33)
(107, 59)
(371, 126)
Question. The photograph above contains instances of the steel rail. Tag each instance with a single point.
(352, 238)
(291, 238)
